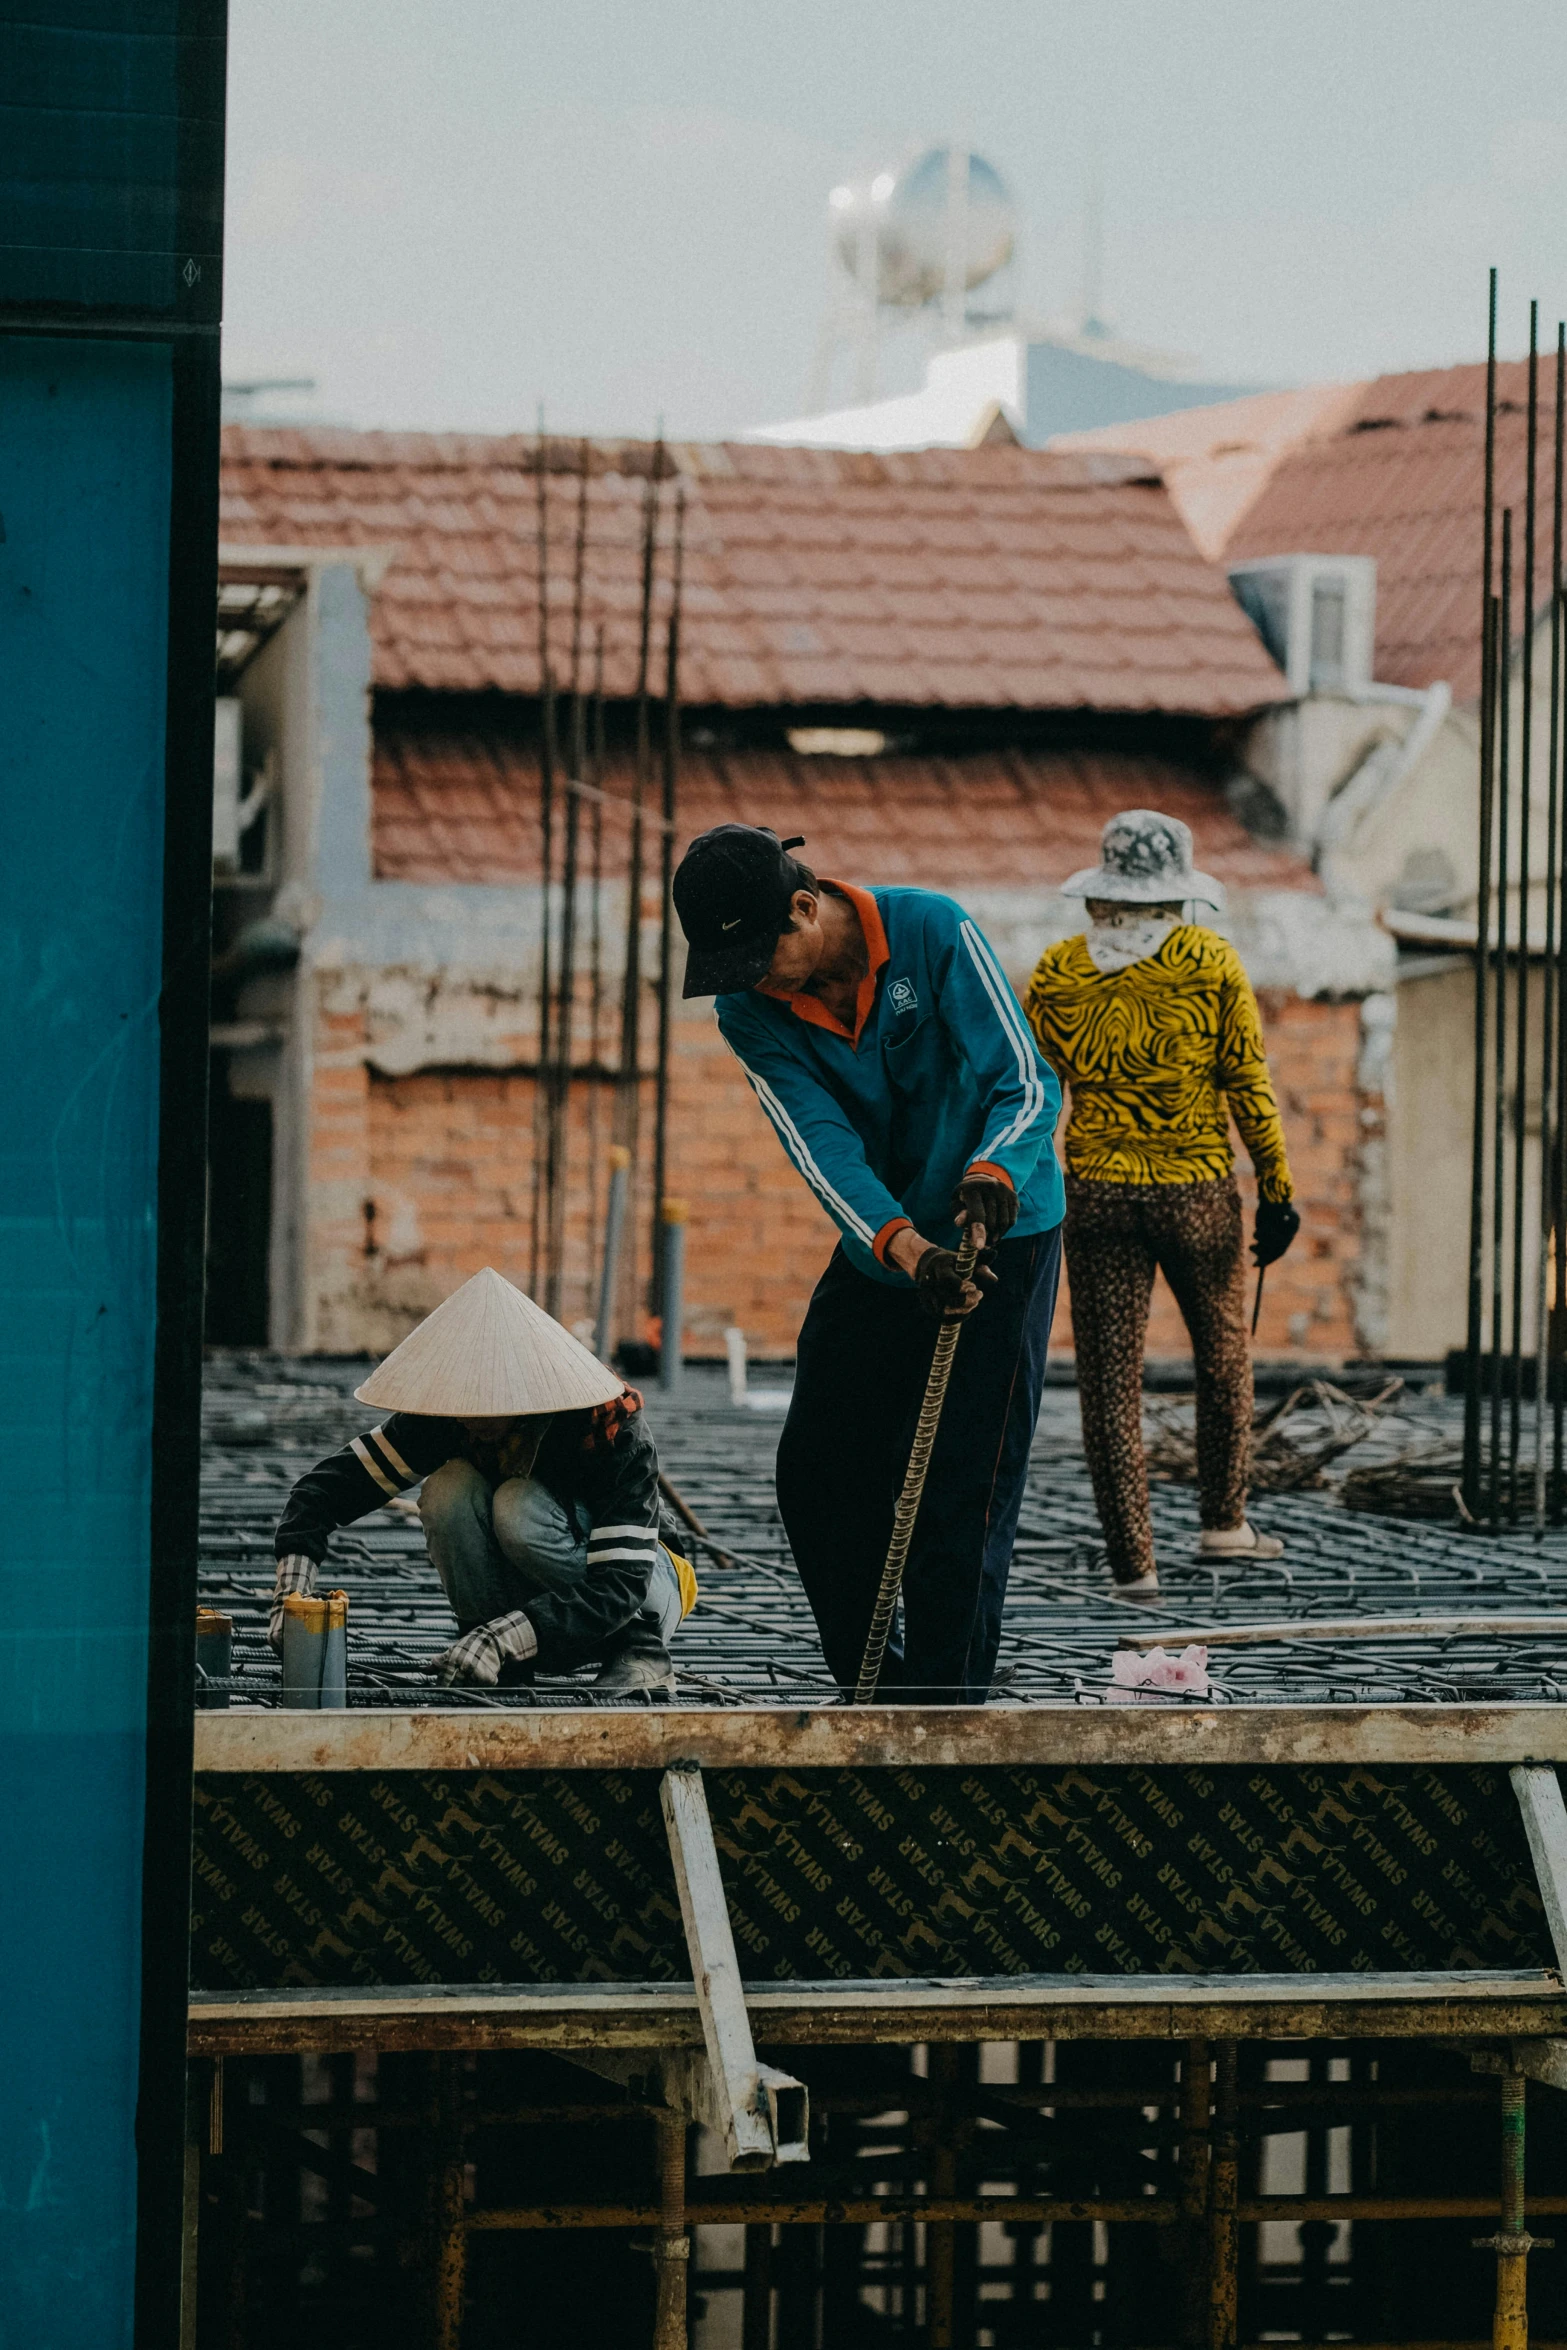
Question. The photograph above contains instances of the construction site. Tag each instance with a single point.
(415, 1245)
(1205, 1987)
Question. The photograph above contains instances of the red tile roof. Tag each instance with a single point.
(987, 578)
(461, 804)
(1402, 479)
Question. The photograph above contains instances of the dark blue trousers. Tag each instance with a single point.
(864, 1353)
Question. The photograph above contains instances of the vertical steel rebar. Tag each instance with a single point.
(1525, 817)
(1196, 2120)
(672, 2252)
(628, 1106)
(1548, 1249)
(666, 869)
(449, 2235)
(1501, 677)
(541, 1090)
(598, 770)
(1224, 2196)
(1474, 1367)
(560, 1091)
(1556, 1327)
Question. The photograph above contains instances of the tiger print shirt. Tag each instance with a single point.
(1159, 1057)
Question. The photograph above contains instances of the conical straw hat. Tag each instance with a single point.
(486, 1353)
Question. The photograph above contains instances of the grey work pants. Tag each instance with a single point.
(495, 1548)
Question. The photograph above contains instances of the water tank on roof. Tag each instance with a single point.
(895, 235)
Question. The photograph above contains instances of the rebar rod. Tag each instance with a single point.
(1525, 818)
(1196, 2120)
(1503, 665)
(595, 935)
(560, 1090)
(541, 1092)
(672, 2251)
(1556, 1144)
(666, 871)
(628, 1104)
(908, 1505)
(1474, 1369)
(1223, 2206)
(1548, 1046)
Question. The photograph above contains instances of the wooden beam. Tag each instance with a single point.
(1490, 2005)
(1343, 1628)
(1539, 1796)
(876, 1737)
(715, 1970)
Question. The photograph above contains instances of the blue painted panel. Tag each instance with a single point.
(1068, 391)
(84, 502)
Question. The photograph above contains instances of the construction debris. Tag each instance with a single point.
(1293, 1441)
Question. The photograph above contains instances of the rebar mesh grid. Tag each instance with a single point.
(751, 1639)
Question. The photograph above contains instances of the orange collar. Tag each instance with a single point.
(810, 1007)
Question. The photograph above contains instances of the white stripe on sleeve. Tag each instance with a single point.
(367, 1460)
(1009, 1013)
(795, 1144)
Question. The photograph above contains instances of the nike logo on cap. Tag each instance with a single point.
(735, 924)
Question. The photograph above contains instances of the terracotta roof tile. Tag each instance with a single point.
(1402, 480)
(461, 804)
(827, 575)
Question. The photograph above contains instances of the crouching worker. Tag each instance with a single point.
(539, 1503)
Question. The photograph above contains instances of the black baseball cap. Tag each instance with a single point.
(732, 890)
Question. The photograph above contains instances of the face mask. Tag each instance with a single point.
(1130, 936)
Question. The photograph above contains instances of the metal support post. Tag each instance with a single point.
(1223, 2214)
(1196, 2115)
(756, 2310)
(1512, 2243)
(673, 1294)
(726, 2027)
(941, 2234)
(672, 2253)
(614, 1228)
(449, 2244)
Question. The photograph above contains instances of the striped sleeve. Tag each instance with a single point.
(985, 1020)
(816, 1133)
(369, 1471)
(618, 1483)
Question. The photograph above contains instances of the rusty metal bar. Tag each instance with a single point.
(666, 870)
(1196, 2113)
(1525, 816)
(628, 1105)
(1477, 1224)
(940, 2238)
(672, 2252)
(753, 2209)
(1503, 684)
(541, 1125)
(448, 2218)
(756, 2293)
(1223, 2206)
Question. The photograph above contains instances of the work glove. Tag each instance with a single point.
(985, 1199)
(1276, 1225)
(296, 1578)
(479, 1655)
(940, 1287)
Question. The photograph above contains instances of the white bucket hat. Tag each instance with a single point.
(1145, 860)
(489, 1353)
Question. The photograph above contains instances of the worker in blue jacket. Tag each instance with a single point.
(880, 1035)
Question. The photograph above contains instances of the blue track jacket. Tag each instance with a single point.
(943, 1075)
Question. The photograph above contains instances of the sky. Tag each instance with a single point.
(451, 212)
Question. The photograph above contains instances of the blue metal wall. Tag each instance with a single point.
(111, 206)
(85, 449)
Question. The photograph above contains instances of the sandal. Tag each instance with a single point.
(1238, 1542)
(1140, 1590)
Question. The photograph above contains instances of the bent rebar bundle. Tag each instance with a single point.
(1517, 1305)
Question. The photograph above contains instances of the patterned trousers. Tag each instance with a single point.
(1117, 1235)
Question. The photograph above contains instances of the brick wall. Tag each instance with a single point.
(420, 1180)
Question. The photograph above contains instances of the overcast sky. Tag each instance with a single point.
(448, 211)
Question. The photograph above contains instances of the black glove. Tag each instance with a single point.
(1276, 1225)
(985, 1199)
(940, 1285)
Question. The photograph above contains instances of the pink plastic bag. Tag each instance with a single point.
(1144, 1676)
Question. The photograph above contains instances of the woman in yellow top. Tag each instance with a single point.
(1152, 1022)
